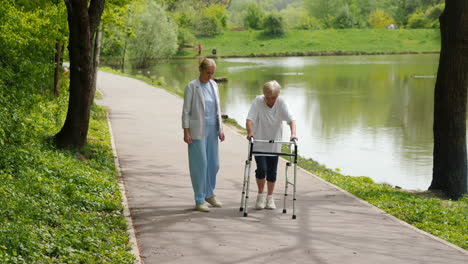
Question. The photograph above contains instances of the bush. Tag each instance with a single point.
(418, 20)
(185, 38)
(379, 19)
(274, 24)
(155, 34)
(343, 19)
(212, 21)
(254, 16)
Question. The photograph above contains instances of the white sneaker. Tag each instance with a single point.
(202, 208)
(270, 203)
(261, 201)
(214, 202)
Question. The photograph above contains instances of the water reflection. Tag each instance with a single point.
(365, 115)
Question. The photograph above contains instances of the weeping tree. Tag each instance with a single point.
(450, 157)
(83, 20)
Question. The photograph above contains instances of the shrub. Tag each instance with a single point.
(212, 21)
(274, 24)
(418, 20)
(185, 38)
(379, 19)
(343, 19)
(155, 35)
(254, 16)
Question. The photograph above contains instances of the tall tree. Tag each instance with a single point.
(450, 157)
(83, 21)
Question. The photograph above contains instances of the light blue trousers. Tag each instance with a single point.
(204, 164)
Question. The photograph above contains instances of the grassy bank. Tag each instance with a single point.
(60, 206)
(320, 42)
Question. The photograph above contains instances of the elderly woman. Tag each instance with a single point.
(201, 121)
(265, 121)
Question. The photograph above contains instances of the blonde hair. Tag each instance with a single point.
(271, 88)
(207, 62)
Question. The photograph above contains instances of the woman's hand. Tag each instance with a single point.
(221, 136)
(187, 136)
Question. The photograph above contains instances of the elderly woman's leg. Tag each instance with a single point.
(198, 167)
(272, 165)
(212, 165)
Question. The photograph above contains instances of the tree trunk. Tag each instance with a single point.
(96, 57)
(58, 55)
(450, 98)
(82, 23)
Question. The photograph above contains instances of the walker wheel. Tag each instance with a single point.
(284, 211)
(241, 209)
(245, 214)
(294, 217)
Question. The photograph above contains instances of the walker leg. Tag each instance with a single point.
(246, 168)
(294, 192)
(286, 187)
(247, 192)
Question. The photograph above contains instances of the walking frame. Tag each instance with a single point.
(292, 153)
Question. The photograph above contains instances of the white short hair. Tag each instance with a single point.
(271, 88)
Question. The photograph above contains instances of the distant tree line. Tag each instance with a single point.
(151, 29)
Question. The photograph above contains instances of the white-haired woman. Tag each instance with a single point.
(201, 121)
(265, 121)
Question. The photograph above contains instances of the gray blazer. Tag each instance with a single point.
(193, 111)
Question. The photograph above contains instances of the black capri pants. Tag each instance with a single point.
(266, 166)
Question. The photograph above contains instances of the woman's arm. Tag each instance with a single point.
(249, 126)
(292, 125)
(186, 110)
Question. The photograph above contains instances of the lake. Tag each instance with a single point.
(362, 115)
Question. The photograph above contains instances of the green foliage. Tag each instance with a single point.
(185, 38)
(379, 19)
(55, 206)
(433, 13)
(323, 10)
(297, 17)
(418, 20)
(211, 22)
(274, 24)
(254, 16)
(60, 206)
(344, 18)
(28, 40)
(155, 34)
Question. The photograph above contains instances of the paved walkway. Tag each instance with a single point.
(332, 226)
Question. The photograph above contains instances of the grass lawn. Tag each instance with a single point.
(320, 42)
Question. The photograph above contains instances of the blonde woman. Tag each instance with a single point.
(201, 121)
(264, 122)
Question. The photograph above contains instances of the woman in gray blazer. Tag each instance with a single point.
(201, 121)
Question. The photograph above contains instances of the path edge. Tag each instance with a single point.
(126, 208)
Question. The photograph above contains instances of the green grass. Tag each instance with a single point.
(60, 206)
(321, 42)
